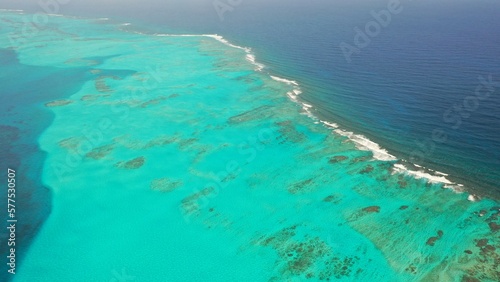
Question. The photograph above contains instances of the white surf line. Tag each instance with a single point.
(223, 40)
(249, 57)
(473, 198)
(422, 174)
(329, 124)
(293, 95)
(365, 144)
(292, 82)
(441, 173)
(360, 141)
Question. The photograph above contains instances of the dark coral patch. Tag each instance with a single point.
(336, 159)
(411, 269)
(58, 103)
(310, 257)
(165, 185)
(100, 152)
(88, 97)
(160, 141)
(191, 205)
(261, 112)
(470, 279)
(152, 102)
(288, 132)
(93, 97)
(402, 184)
(100, 83)
(482, 212)
(132, 164)
(185, 143)
(488, 260)
(340, 268)
(364, 212)
(371, 209)
(493, 226)
(488, 248)
(481, 242)
(70, 143)
(431, 241)
(332, 199)
(493, 217)
(367, 169)
(361, 159)
(301, 186)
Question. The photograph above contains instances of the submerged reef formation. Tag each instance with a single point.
(131, 164)
(58, 103)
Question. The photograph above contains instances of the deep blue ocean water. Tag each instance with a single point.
(417, 76)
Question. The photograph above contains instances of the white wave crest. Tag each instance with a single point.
(473, 198)
(223, 40)
(292, 82)
(422, 174)
(329, 124)
(249, 57)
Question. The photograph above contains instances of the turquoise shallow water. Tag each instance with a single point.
(177, 160)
